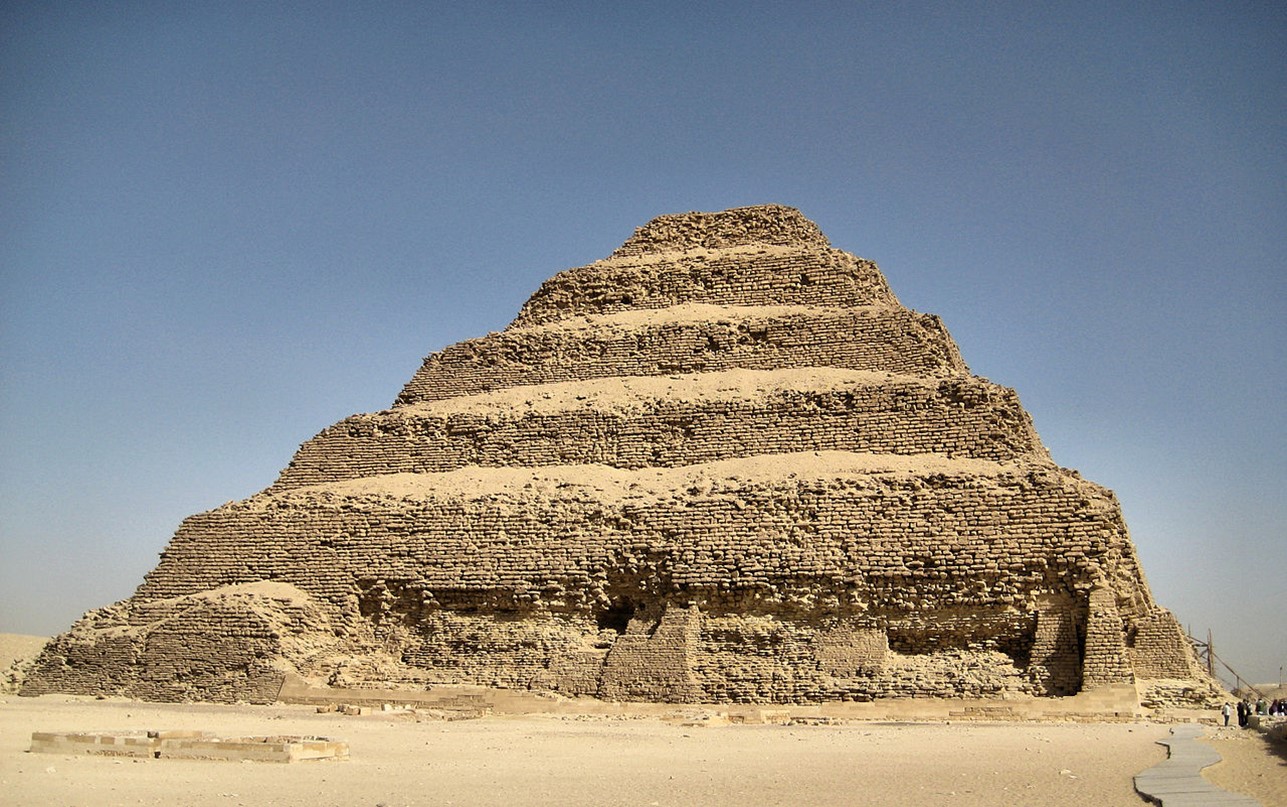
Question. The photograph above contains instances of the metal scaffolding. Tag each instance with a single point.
(1207, 655)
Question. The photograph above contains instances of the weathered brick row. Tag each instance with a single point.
(892, 543)
(750, 276)
(961, 417)
(892, 340)
(759, 226)
(890, 552)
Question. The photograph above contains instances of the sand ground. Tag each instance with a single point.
(580, 760)
(544, 759)
(14, 646)
(1250, 763)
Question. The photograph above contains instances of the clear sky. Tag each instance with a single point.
(225, 226)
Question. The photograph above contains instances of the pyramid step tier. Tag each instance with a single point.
(758, 226)
(823, 530)
(676, 420)
(750, 276)
(687, 339)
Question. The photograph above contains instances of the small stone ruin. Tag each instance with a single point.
(724, 464)
(188, 745)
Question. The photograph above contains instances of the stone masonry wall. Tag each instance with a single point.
(765, 276)
(961, 417)
(1055, 658)
(901, 543)
(1159, 649)
(759, 226)
(889, 340)
(218, 646)
(1105, 661)
(656, 666)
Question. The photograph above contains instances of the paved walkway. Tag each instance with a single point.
(1178, 782)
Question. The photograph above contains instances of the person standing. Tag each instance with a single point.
(1242, 714)
(1226, 710)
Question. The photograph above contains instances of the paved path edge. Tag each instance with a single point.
(1177, 781)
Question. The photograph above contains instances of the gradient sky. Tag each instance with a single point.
(225, 226)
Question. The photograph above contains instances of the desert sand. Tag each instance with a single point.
(15, 646)
(546, 759)
(1250, 763)
(604, 760)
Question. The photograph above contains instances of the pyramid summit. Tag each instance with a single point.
(723, 464)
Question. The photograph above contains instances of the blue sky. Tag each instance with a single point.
(224, 227)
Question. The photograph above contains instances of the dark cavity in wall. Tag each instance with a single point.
(617, 616)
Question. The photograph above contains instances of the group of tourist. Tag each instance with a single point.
(1245, 709)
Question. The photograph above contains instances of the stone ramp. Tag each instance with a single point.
(1178, 782)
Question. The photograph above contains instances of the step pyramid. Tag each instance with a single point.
(724, 464)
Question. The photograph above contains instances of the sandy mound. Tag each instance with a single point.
(17, 651)
(15, 646)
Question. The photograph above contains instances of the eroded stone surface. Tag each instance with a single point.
(723, 464)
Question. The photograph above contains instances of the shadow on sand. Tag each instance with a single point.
(1276, 744)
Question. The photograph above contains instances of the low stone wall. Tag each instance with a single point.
(189, 745)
